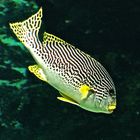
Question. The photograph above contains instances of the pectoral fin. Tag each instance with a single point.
(38, 72)
(67, 99)
(84, 90)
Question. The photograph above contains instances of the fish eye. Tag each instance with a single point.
(111, 91)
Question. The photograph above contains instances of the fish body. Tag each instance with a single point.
(80, 79)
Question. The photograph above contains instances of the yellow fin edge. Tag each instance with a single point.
(67, 100)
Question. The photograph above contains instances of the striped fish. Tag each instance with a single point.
(79, 78)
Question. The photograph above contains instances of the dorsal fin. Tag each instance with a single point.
(49, 38)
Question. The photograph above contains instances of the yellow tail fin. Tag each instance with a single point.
(27, 31)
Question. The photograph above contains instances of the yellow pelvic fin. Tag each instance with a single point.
(84, 90)
(67, 99)
(38, 72)
(49, 38)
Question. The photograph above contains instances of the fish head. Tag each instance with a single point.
(100, 101)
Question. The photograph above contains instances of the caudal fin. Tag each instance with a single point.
(27, 31)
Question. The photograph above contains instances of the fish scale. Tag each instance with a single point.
(79, 78)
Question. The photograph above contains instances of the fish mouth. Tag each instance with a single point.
(112, 106)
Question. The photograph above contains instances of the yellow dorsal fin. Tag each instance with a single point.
(49, 38)
(84, 90)
(67, 99)
(38, 72)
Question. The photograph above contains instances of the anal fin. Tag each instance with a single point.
(38, 72)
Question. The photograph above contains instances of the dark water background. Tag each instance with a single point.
(109, 30)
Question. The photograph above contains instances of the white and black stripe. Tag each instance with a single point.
(76, 67)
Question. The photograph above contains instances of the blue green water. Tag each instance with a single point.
(107, 30)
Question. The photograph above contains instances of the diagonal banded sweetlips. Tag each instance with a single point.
(79, 78)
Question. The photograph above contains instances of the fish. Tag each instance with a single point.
(80, 79)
